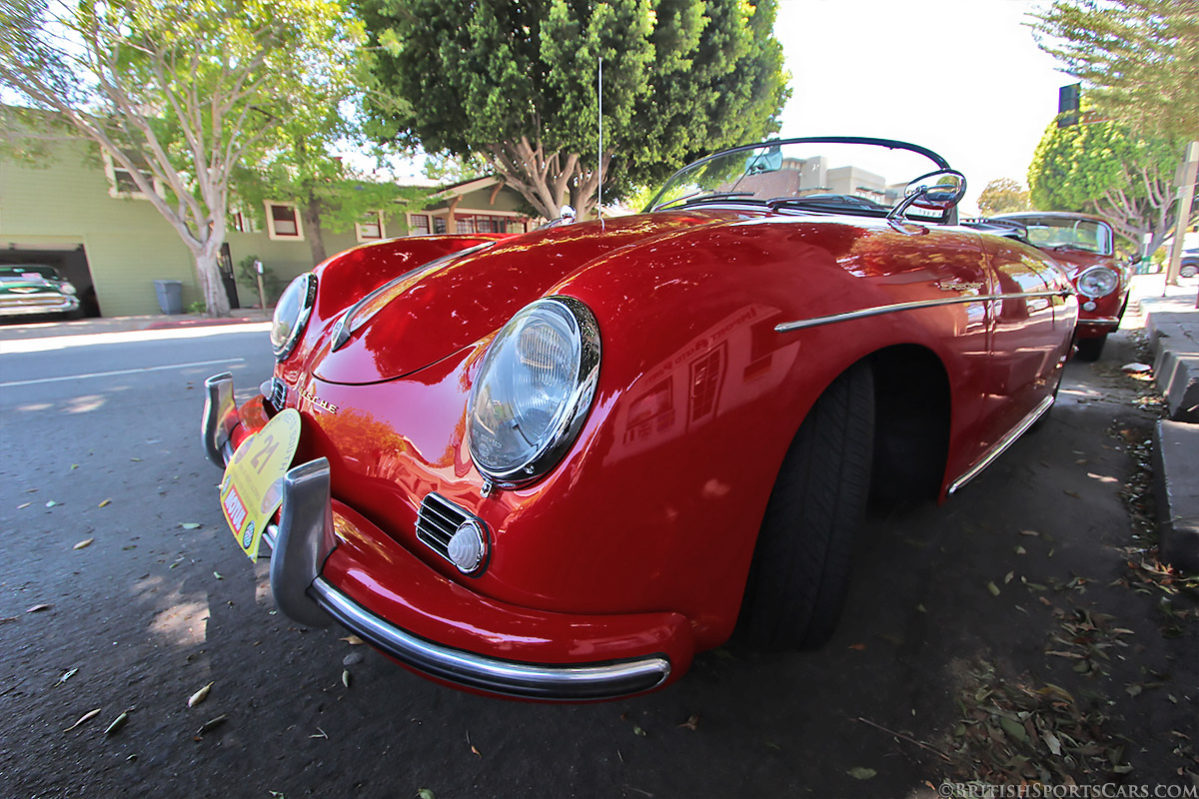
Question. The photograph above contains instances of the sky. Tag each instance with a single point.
(961, 77)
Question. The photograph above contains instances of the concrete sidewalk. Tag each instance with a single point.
(120, 324)
(1172, 323)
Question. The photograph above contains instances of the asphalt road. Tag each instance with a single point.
(100, 443)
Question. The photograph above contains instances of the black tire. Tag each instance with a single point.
(1089, 349)
(801, 565)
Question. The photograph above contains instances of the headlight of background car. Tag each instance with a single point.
(291, 314)
(1097, 281)
(534, 390)
(66, 288)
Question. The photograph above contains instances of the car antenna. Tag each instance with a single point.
(599, 203)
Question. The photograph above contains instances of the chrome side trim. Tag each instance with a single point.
(220, 417)
(299, 547)
(786, 327)
(1001, 445)
(490, 674)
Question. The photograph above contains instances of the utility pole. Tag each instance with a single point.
(261, 293)
(1186, 192)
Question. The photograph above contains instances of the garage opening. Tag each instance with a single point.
(70, 263)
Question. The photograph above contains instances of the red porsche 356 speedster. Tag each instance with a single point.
(557, 465)
(1085, 246)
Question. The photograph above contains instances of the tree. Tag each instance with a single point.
(1003, 196)
(176, 93)
(299, 166)
(1141, 57)
(1101, 167)
(454, 170)
(516, 82)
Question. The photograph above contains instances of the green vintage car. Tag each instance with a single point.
(31, 289)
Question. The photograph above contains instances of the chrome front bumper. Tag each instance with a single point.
(303, 540)
(30, 304)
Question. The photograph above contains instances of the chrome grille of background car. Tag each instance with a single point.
(437, 521)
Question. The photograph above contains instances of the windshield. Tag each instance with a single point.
(1075, 234)
(842, 175)
(28, 272)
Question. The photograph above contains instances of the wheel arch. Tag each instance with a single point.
(913, 412)
(913, 408)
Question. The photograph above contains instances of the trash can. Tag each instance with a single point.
(170, 295)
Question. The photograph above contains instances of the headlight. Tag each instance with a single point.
(534, 390)
(66, 288)
(1097, 281)
(291, 314)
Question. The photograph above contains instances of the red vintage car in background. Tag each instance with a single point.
(1085, 246)
(557, 465)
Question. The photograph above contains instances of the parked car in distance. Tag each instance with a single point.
(1189, 265)
(556, 466)
(30, 289)
(1085, 246)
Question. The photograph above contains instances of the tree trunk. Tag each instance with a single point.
(312, 227)
(215, 299)
(546, 181)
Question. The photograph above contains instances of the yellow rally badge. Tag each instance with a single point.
(252, 488)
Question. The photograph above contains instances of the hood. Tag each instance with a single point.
(436, 313)
(1076, 261)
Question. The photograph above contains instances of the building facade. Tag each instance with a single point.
(73, 210)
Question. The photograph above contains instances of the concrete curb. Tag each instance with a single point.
(1176, 490)
(1174, 337)
(1173, 329)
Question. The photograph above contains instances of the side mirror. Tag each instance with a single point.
(936, 191)
(769, 160)
(566, 215)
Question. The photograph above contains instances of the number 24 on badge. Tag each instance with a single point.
(251, 491)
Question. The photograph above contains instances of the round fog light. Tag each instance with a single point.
(466, 548)
(1088, 306)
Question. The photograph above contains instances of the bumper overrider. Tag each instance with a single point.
(305, 577)
(1096, 325)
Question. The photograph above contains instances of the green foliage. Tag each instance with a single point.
(1141, 57)
(516, 82)
(299, 164)
(247, 275)
(1003, 196)
(177, 93)
(448, 169)
(197, 307)
(1101, 167)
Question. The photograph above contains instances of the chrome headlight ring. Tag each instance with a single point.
(533, 391)
(291, 314)
(1097, 281)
